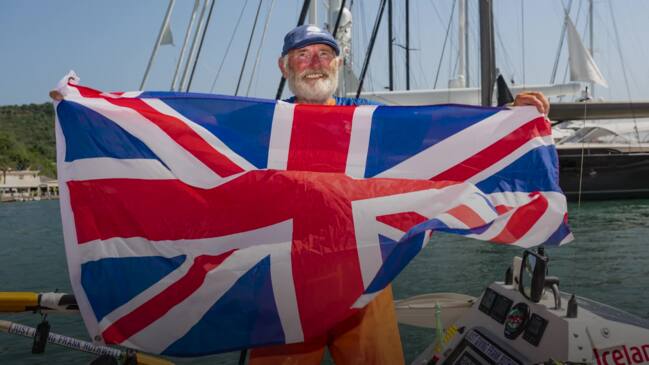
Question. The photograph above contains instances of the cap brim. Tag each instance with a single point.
(308, 42)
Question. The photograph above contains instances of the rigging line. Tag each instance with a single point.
(581, 163)
(245, 57)
(439, 16)
(305, 9)
(370, 47)
(626, 80)
(441, 57)
(370, 79)
(565, 70)
(338, 17)
(259, 50)
(227, 49)
(200, 45)
(415, 81)
(566, 10)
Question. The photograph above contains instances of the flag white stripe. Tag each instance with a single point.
(431, 202)
(280, 135)
(445, 154)
(182, 163)
(359, 140)
(181, 318)
(115, 168)
(119, 247)
(510, 158)
(70, 235)
(451, 221)
(140, 247)
(210, 138)
(548, 223)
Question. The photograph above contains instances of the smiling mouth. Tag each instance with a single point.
(315, 76)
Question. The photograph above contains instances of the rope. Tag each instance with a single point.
(227, 49)
(245, 57)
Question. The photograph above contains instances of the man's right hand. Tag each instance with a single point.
(56, 95)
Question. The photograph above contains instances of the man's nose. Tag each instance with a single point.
(315, 59)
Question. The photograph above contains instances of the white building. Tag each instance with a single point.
(26, 185)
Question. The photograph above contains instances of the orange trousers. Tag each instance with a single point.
(371, 336)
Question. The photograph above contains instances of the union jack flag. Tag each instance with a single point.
(197, 224)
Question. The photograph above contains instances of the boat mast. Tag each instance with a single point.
(591, 45)
(163, 27)
(460, 80)
(487, 52)
(407, 44)
(191, 57)
(313, 13)
(466, 44)
(390, 56)
(174, 81)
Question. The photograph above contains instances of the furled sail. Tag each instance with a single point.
(582, 64)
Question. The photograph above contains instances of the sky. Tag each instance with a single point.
(108, 44)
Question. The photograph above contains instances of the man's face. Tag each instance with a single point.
(312, 72)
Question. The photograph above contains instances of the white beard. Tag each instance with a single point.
(319, 92)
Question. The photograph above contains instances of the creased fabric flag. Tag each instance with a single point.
(197, 224)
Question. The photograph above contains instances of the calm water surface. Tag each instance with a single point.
(608, 262)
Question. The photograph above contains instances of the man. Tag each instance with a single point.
(310, 62)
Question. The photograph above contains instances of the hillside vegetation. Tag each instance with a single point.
(27, 138)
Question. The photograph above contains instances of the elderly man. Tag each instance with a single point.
(310, 62)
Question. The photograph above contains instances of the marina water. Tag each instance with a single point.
(607, 262)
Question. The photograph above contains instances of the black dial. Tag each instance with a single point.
(516, 320)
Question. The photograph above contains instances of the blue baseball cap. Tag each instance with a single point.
(307, 34)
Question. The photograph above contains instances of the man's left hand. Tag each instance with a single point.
(533, 98)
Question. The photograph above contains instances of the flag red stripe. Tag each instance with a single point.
(402, 221)
(497, 151)
(502, 209)
(180, 132)
(523, 219)
(320, 138)
(164, 301)
(466, 215)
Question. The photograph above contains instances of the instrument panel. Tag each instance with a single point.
(517, 318)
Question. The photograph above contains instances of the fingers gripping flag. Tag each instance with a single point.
(197, 224)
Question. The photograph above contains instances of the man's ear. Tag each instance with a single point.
(280, 63)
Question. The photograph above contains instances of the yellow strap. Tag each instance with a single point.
(145, 359)
(18, 301)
